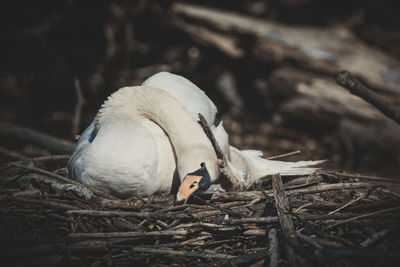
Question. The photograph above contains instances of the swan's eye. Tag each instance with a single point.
(193, 185)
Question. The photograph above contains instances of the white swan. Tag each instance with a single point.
(143, 135)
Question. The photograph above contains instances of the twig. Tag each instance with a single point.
(80, 102)
(250, 195)
(248, 259)
(316, 260)
(120, 204)
(25, 134)
(61, 178)
(50, 204)
(361, 177)
(224, 167)
(128, 234)
(348, 204)
(263, 220)
(225, 210)
(12, 154)
(255, 232)
(355, 87)
(175, 253)
(101, 213)
(375, 238)
(361, 216)
(303, 206)
(142, 215)
(26, 193)
(285, 155)
(304, 217)
(310, 241)
(285, 219)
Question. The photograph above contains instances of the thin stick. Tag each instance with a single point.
(231, 212)
(304, 217)
(80, 102)
(224, 167)
(310, 241)
(348, 204)
(250, 195)
(302, 207)
(44, 140)
(361, 216)
(175, 253)
(12, 154)
(355, 87)
(141, 215)
(361, 177)
(375, 238)
(128, 234)
(285, 155)
(101, 213)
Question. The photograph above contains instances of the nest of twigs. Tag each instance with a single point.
(327, 219)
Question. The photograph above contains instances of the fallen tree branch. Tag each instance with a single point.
(355, 87)
(273, 250)
(41, 139)
(285, 219)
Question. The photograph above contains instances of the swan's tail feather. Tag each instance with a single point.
(263, 167)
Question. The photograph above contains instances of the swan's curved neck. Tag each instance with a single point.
(148, 103)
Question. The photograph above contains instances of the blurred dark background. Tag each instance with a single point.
(268, 65)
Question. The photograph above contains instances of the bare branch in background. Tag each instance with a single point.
(80, 102)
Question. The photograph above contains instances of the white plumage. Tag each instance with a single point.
(143, 136)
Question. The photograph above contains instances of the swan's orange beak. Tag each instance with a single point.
(189, 185)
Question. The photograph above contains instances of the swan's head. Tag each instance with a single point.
(197, 180)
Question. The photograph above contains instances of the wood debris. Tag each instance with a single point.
(336, 221)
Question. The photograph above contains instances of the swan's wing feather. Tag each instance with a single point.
(260, 167)
(74, 166)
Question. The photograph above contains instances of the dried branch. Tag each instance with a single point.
(80, 102)
(29, 135)
(355, 87)
(128, 234)
(175, 253)
(12, 154)
(63, 179)
(285, 219)
(362, 216)
(224, 167)
(348, 204)
(370, 241)
(273, 250)
(358, 176)
(251, 195)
